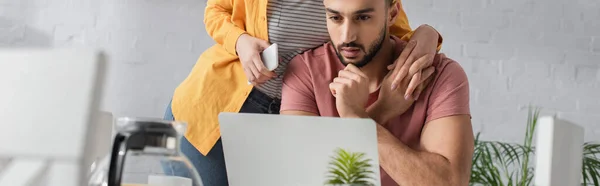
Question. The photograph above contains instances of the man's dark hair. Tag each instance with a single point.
(390, 2)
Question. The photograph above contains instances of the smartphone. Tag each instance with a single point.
(270, 57)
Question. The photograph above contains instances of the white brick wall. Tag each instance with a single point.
(152, 44)
(515, 52)
(520, 52)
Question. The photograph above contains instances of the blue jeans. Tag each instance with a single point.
(212, 166)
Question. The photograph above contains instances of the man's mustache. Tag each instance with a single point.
(353, 44)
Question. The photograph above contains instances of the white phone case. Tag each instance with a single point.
(270, 57)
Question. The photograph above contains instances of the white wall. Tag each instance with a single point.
(515, 52)
(152, 44)
(520, 52)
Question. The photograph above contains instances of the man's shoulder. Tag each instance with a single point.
(319, 53)
(447, 65)
(315, 64)
(448, 73)
(448, 94)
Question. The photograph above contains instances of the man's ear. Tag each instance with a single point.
(393, 12)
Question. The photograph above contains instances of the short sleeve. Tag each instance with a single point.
(450, 93)
(297, 92)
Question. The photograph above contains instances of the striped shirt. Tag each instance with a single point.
(296, 26)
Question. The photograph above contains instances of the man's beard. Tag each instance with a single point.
(373, 50)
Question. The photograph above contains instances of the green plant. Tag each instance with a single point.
(349, 168)
(591, 164)
(508, 164)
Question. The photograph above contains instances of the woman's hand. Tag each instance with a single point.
(392, 102)
(417, 56)
(248, 49)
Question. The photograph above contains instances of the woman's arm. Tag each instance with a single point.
(427, 43)
(401, 27)
(224, 21)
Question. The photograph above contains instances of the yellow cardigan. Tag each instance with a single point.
(217, 82)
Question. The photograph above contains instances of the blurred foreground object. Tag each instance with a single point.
(49, 105)
(558, 152)
(145, 151)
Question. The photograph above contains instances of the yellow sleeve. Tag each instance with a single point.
(402, 28)
(224, 21)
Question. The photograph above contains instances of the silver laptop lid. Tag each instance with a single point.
(276, 150)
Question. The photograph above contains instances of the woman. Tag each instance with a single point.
(219, 81)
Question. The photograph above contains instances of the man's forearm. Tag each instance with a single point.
(411, 167)
(380, 114)
(407, 166)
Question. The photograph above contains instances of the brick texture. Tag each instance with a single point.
(152, 44)
(519, 53)
(515, 52)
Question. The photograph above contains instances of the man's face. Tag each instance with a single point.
(357, 28)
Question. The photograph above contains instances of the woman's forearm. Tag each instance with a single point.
(428, 33)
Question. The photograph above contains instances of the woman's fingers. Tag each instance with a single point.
(255, 72)
(402, 64)
(419, 83)
(261, 73)
(249, 73)
(260, 66)
(414, 82)
(421, 64)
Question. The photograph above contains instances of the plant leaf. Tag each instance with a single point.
(489, 157)
(349, 168)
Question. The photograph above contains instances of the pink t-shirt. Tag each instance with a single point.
(306, 88)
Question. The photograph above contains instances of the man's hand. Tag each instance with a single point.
(416, 57)
(248, 49)
(351, 90)
(391, 102)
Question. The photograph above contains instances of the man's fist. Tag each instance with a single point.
(351, 90)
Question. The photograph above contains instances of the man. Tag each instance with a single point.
(423, 141)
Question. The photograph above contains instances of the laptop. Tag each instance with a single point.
(276, 150)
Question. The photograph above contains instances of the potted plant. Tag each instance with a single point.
(508, 164)
(349, 168)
